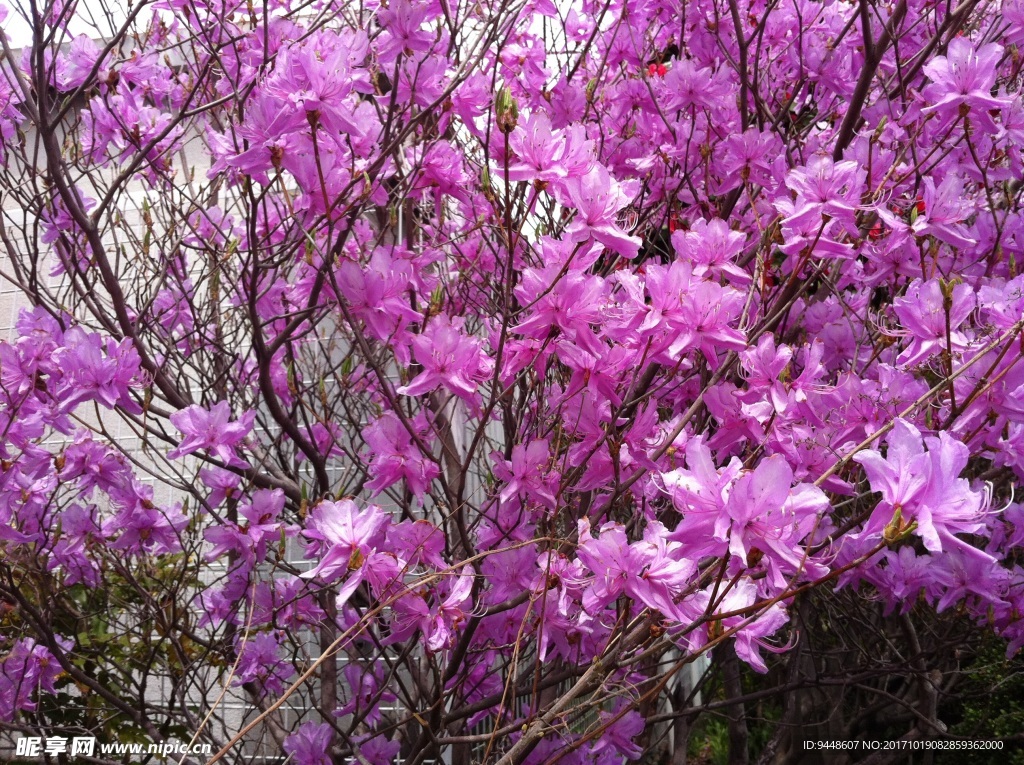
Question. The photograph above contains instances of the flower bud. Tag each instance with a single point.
(880, 128)
(896, 530)
(507, 110)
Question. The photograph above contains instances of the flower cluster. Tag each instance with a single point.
(490, 351)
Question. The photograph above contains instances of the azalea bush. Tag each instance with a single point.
(504, 382)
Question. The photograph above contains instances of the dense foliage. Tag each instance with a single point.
(447, 379)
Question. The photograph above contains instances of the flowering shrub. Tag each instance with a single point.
(486, 365)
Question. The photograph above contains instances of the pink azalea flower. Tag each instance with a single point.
(222, 484)
(404, 22)
(250, 540)
(962, 83)
(688, 86)
(378, 294)
(945, 210)
(418, 543)
(394, 456)
(751, 638)
(367, 691)
(141, 526)
(571, 302)
(26, 668)
(450, 359)
(346, 539)
(922, 313)
(212, 430)
(318, 76)
(598, 198)
(377, 750)
(826, 188)
(261, 663)
(528, 473)
(310, 744)
(548, 155)
(616, 566)
(712, 248)
(686, 312)
(967, 573)
(99, 370)
(923, 485)
(80, 529)
(616, 738)
(766, 519)
(438, 622)
(748, 157)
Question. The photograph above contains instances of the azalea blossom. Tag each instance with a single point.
(923, 313)
(344, 535)
(212, 430)
(309, 745)
(962, 82)
(921, 486)
(598, 198)
(449, 358)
